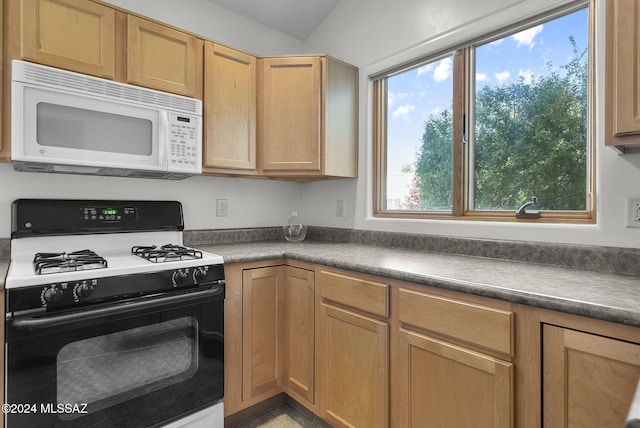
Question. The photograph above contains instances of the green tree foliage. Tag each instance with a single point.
(531, 139)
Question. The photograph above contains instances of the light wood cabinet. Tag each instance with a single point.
(76, 35)
(92, 38)
(588, 380)
(360, 351)
(300, 332)
(229, 111)
(163, 58)
(307, 117)
(452, 386)
(263, 330)
(269, 334)
(353, 353)
(442, 378)
(622, 100)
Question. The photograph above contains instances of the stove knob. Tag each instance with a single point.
(178, 277)
(53, 294)
(199, 274)
(84, 289)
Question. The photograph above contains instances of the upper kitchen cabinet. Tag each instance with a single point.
(230, 111)
(622, 122)
(308, 117)
(163, 58)
(76, 35)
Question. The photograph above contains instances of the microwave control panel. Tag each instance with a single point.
(183, 142)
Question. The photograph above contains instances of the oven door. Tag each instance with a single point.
(143, 363)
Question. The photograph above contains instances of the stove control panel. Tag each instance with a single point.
(70, 294)
(109, 214)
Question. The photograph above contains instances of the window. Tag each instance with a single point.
(477, 132)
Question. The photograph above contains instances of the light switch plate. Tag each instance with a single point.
(221, 207)
(340, 208)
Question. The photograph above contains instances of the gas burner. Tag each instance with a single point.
(166, 253)
(47, 263)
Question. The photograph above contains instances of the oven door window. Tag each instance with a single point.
(118, 367)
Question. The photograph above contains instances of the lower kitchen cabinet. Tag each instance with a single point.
(354, 367)
(263, 330)
(444, 385)
(588, 380)
(359, 351)
(445, 375)
(300, 332)
(269, 334)
(353, 351)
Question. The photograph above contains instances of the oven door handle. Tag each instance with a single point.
(215, 292)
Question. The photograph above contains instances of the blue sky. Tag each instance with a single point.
(415, 95)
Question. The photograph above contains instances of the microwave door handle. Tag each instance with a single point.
(163, 139)
(214, 292)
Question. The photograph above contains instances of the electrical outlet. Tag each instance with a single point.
(221, 207)
(340, 208)
(633, 212)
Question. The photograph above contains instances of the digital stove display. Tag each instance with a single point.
(108, 214)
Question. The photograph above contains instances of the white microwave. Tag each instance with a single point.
(72, 123)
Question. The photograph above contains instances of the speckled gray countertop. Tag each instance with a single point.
(601, 295)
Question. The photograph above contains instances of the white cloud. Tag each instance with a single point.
(527, 37)
(481, 77)
(425, 69)
(443, 70)
(393, 97)
(525, 75)
(403, 110)
(502, 76)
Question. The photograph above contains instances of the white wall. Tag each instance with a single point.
(371, 34)
(216, 23)
(374, 34)
(251, 203)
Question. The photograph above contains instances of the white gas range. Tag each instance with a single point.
(107, 309)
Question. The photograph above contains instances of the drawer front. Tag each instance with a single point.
(488, 327)
(358, 293)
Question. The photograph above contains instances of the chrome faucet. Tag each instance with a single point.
(523, 213)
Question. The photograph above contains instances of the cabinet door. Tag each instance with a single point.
(354, 369)
(262, 330)
(626, 54)
(229, 109)
(76, 35)
(444, 385)
(162, 58)
(588, 380)
(290, 114)
(300, 319)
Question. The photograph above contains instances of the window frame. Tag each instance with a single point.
(463, 91)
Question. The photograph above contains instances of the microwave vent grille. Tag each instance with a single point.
(92, 85)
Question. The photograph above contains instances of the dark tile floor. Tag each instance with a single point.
(283, 416)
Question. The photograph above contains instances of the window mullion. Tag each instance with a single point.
(459, 96)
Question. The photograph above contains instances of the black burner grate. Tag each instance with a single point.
(45, 263)
(166, 253)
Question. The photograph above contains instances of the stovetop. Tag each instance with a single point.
(75, 254)
(115, 249)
